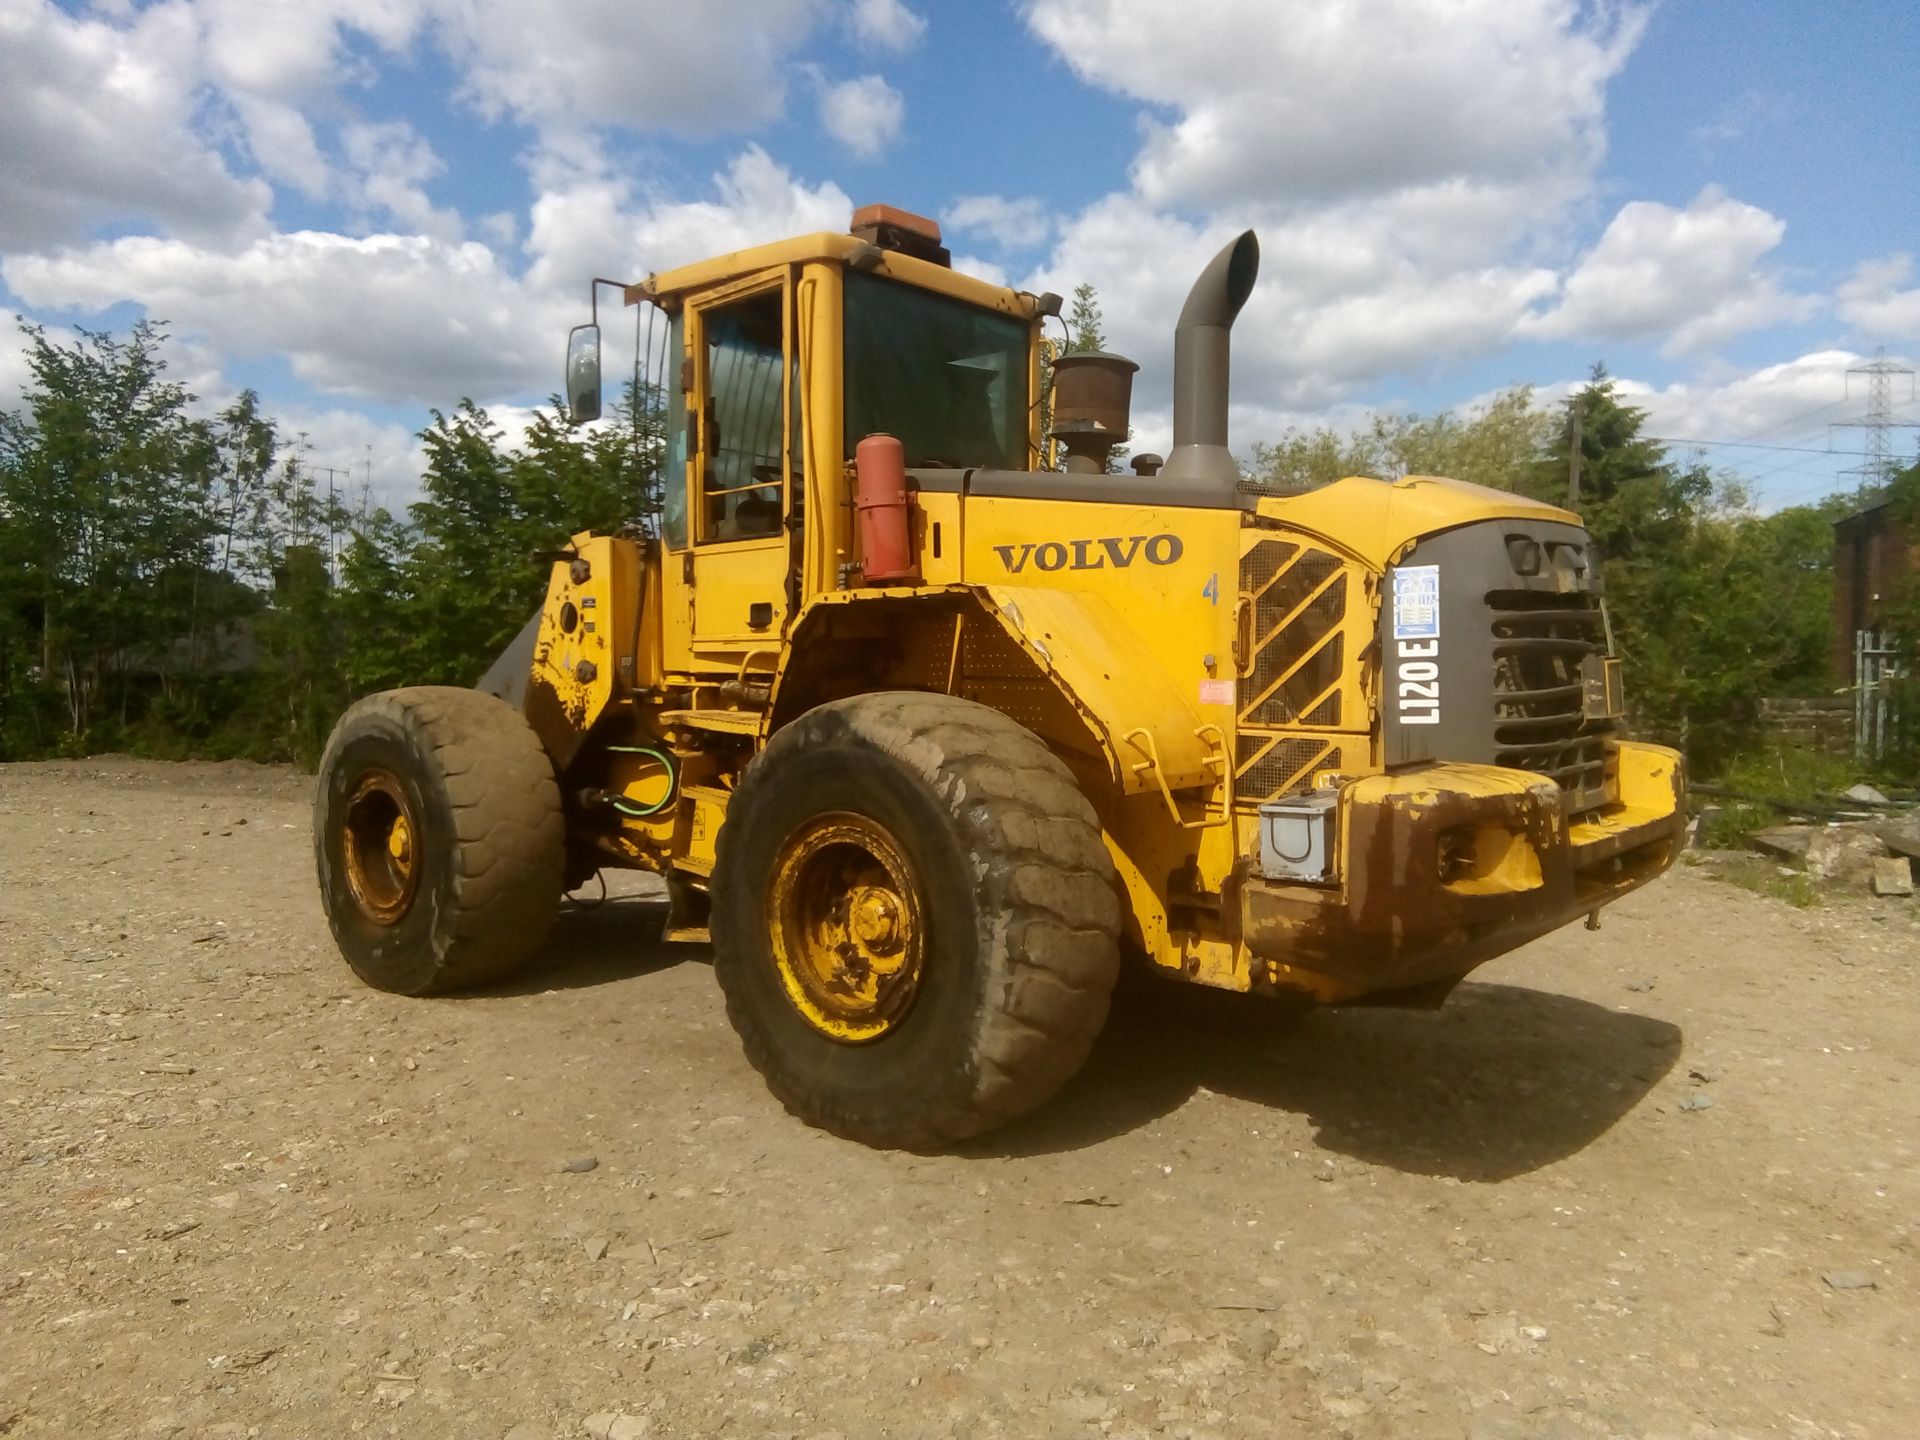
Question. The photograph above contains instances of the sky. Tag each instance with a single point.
(367, 209)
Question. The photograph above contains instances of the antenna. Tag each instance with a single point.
(333, 513)
(1876, 467)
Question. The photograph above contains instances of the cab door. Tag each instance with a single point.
(741, 476)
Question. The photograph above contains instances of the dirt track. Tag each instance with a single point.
(242, 1195)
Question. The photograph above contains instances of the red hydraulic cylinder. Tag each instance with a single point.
(880, 496)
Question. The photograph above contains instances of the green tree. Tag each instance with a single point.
(471, 579)
(1713, 607)
(1086, 327)
(1086, 334)
(1634, 502)
(1495, 445)
(106, 479)
(374, 604)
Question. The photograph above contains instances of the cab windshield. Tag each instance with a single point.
(948, 378)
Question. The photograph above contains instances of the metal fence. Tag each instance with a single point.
(1876, 716)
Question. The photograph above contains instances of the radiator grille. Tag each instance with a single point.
(1542, 647)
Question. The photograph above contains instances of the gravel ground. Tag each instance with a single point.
(1657, 1181)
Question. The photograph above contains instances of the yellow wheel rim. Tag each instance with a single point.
(378, 840)
(848, 937)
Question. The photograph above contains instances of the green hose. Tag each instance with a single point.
(642, 812)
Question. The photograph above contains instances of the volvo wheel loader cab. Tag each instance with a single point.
(925, 735)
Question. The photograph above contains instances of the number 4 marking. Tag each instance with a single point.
(1212, 588)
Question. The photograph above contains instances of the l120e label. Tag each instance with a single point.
(1416, 644)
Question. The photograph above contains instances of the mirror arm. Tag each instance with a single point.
(593, 292)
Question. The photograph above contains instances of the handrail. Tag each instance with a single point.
(1221, 763)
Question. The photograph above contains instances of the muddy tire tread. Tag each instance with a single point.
(508, 824)
(1049, 889)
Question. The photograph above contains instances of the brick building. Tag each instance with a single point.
(1872, 559)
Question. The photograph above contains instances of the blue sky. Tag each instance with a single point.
(364, 208)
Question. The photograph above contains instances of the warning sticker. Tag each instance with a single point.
(1216, 692)
(1416, 602)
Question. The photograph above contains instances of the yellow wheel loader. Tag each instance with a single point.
(926, 729)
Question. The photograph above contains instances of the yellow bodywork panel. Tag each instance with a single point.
(1151, 734)
(588, 632)
(701, 817)
(1075, 646)
(1652, 785)
(1375, 520)
(828, 248)
(1161, 579)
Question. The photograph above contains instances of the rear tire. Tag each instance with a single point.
(438, 838)
(962, 907)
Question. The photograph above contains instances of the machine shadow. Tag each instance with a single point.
(617, 939)
(1501, 1081)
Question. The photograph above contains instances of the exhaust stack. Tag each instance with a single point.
(1202, 366)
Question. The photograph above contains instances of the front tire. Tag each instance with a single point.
(915, 919)
(438, 838)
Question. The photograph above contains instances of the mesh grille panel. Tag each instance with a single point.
(1276, 600)
(1303, 690)
(1299, 598)
(1281, 770)
(1264, 561)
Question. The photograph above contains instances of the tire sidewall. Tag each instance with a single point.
(821, 765)
(401, 957)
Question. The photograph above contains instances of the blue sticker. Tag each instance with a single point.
(1416, 602)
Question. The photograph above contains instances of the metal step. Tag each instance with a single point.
(725, 722)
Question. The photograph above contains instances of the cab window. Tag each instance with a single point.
(674, 477)
(948, 378)
(743, 479)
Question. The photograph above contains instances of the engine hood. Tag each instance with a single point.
(1378, 520)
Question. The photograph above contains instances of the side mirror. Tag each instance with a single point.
(583, 373)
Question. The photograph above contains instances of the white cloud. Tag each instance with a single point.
(418, 320)
(1872, 302)
(112, 118)
(1790, 404)
(297, 52)
(597, 228)
(395, 317)
(865, 115)
(704, 69)
(282, 142)
(1690, 278)
(1341, 300)
(885, 25)
(1010, 224)
(1412, 168)
(759, 200)
(1412, 325)
(392, 164)
(380, 463)
(1321, 101)
(99, 128)
(981, 269)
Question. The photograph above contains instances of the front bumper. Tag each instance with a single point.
(1444, 867)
